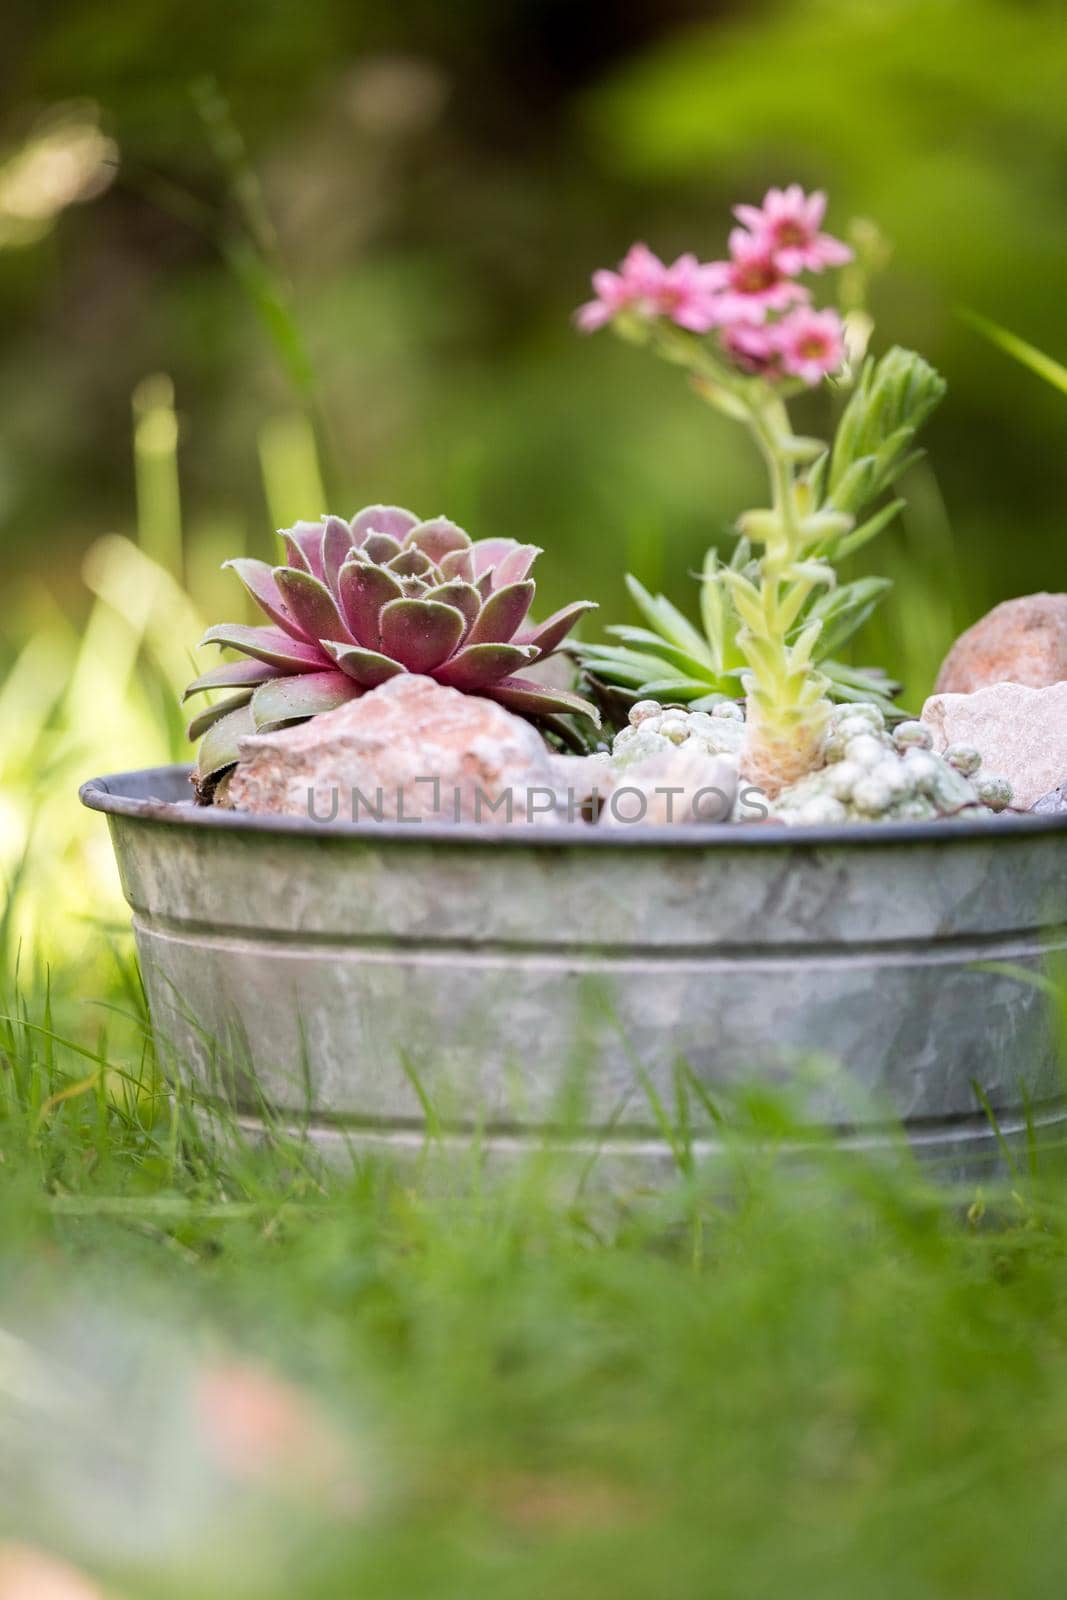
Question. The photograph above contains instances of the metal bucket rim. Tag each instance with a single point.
(112, 795)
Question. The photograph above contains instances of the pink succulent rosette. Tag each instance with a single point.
(359, 601)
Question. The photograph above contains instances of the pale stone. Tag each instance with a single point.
(409, 751)
(1019, 641)
(1020, 733)
(582, 783)
(682, 785)
(1052, 804)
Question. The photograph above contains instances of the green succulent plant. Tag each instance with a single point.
(814, 616)
(672, 659)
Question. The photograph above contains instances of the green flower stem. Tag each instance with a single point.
(788, 706)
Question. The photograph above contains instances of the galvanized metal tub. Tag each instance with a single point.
(533, 985)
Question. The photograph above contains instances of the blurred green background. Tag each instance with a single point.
(345, 240)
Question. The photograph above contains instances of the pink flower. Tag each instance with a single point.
(752, 282)
(810, 343)
(644, 284)
(752, 347)
(787, 226)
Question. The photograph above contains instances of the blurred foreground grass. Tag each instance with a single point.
(229, 1374)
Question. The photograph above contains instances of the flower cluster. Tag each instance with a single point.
(765, 323)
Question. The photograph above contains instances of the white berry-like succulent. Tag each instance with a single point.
(996, 793)
(871, 773)
(912, 736)
(866, 749)
(965, 759)
(654, 730)
(874, 775)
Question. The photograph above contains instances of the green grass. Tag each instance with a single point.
(818, 1382)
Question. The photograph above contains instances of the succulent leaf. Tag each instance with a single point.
(888, 406)
(864, 684)
(667, 620)
(550, 634)
(459, 564)
(364, 590)
(867, 530)
(420, 633)
(295, 554)
(218, 748)
(537, 700)
(464, 596)
(368, 668)
(380, 547)
(222, 708)
(293, 699)
(437, 539)
(311, 603)
(336, 547)
(515, 566)
(307, 538)
(391, 520)
(503, 613)
(232, 675)
(258, 578)
(480, 665)
(487, 552)
(845, 609)
(411, 563)
(674, 687)
(640, 637)
(271, 645)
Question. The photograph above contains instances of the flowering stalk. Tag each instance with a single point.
(786, 695)
(747, 335)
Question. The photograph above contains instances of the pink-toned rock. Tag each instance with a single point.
(1019, 641)
(1020, 733)
(409, 751)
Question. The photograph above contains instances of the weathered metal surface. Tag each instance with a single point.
(526, 981)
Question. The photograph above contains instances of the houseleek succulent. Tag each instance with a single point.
(357, 602)
(773, 616)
